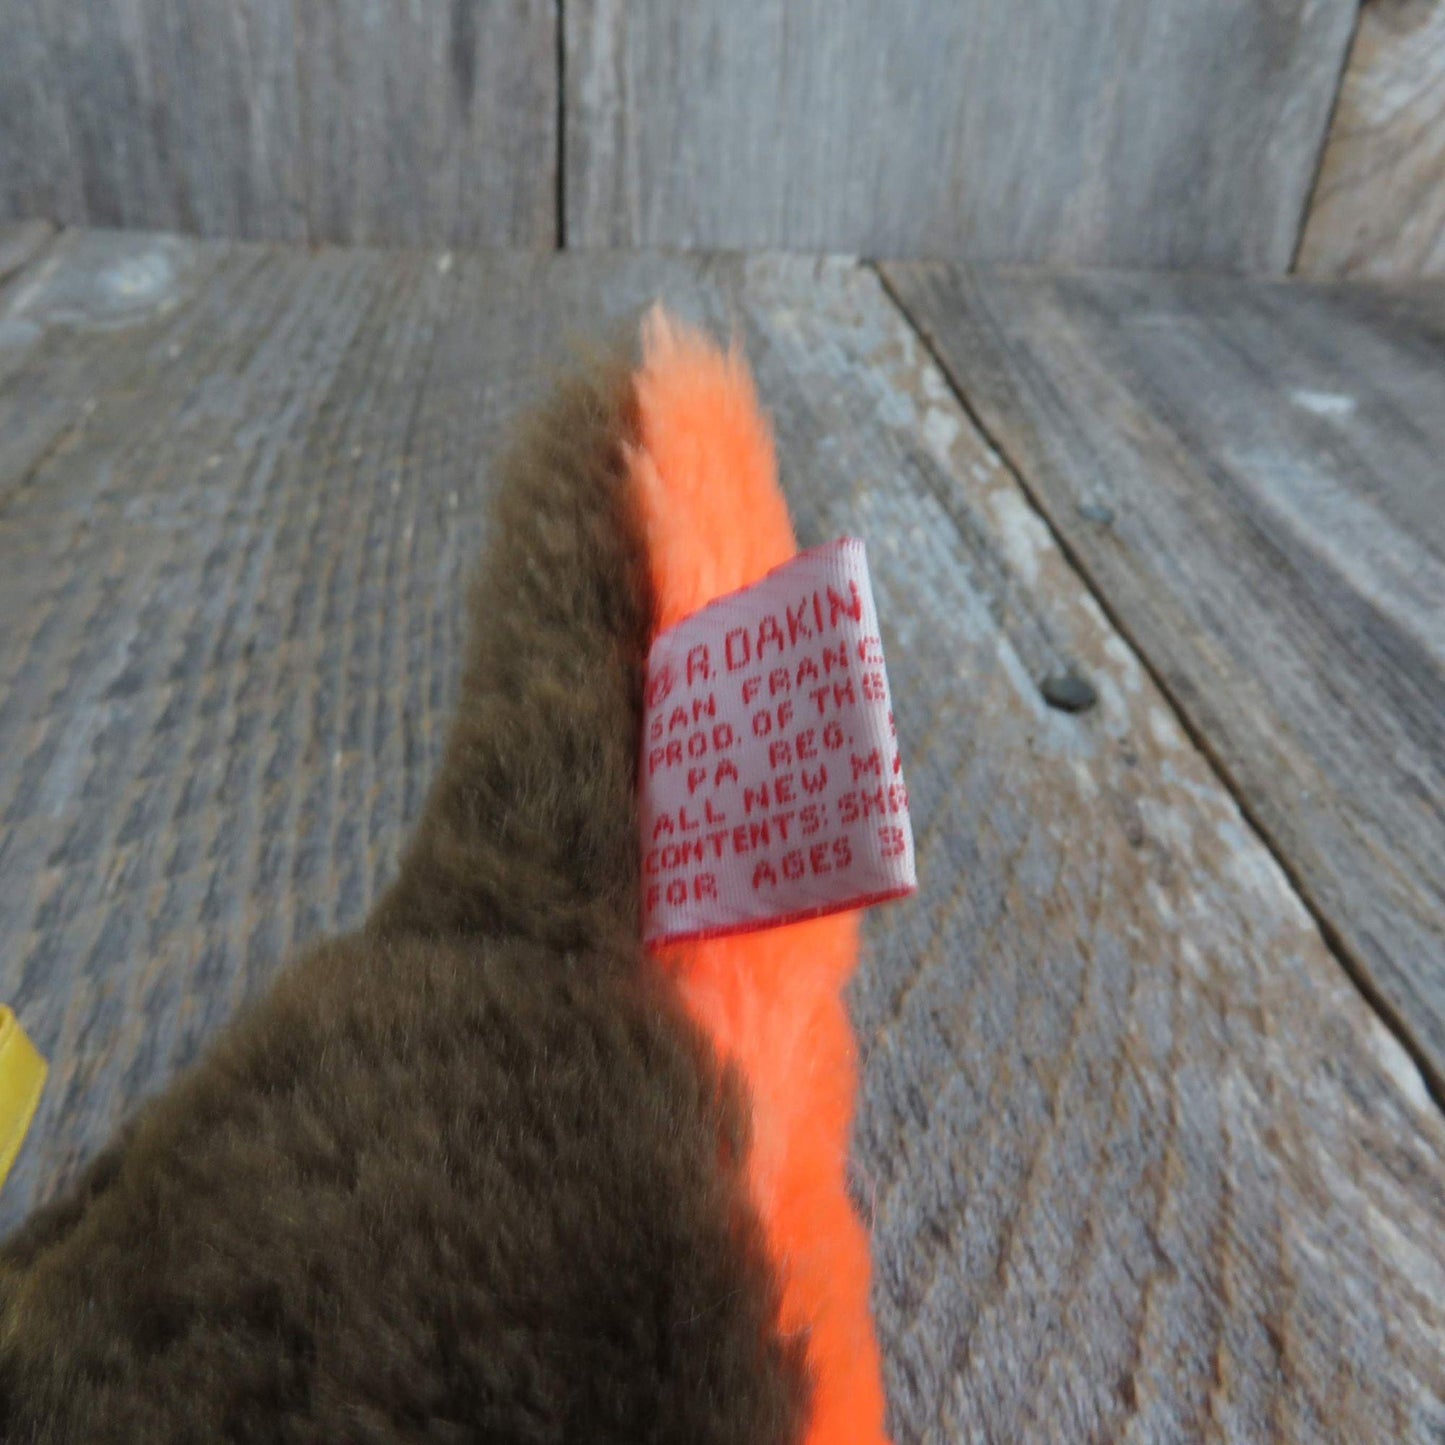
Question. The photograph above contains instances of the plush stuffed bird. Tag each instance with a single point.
(489, 1168)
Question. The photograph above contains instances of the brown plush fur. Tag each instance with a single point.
(467, 1174)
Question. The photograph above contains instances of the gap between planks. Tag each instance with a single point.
(559, 198)
(1307, 208)
(1354, 971)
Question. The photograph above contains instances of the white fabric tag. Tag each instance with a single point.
(772, 788)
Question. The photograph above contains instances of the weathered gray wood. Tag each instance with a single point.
(20, 244)
(181, 115)
(1150, 132)
(1379, 208)
(121, 289)
(331, 120)
(1272, 456)
(1113, 1163)
(1142, 1164)
(40, 173)
(430, 122)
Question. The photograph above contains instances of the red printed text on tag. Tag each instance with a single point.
(772, 786)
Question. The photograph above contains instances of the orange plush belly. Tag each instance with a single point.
(771, 1001)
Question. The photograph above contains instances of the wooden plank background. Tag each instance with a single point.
(1270, 457)
(333, 120)
(180, 116)
(1141, 1162)
(20, 244)
(1379, 208)
(1181, 133)
(1143, 132)
(430, 122)
(1187, 133)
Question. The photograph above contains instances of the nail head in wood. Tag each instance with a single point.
(1068, 692)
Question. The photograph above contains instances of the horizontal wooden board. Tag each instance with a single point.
(20, 244)
(1144, 132)
(1271, 455)
(1379, 207)
(127, 283)
(1141, 1164)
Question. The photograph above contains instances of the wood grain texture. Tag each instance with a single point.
(328, 120)
(1114, 132)
(117, 282)
(20, 244)
(1379, 207)
(1272, 456)
(39, 171)
(175, 116)
(1141, 1163)
(432, 122)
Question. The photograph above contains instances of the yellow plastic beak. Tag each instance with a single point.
(22, 1077)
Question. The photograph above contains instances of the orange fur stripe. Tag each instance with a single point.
(771, 1001)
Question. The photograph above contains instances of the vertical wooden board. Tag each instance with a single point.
(222, 105)
(1379, 206)
(124, 113)
(430, 122)
(1271, 457)
(337, 120)
(39, 169)
(1166, 134)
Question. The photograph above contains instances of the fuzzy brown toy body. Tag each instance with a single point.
(468, 1173)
